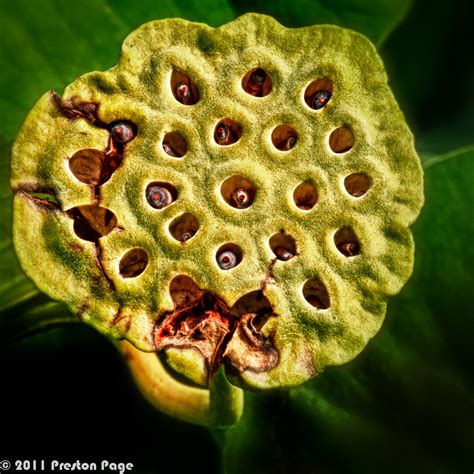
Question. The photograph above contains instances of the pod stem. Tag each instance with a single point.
(217, 407)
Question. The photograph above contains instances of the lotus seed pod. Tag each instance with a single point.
(238, 196)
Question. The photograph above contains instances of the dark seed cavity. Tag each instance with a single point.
(316, 293)
(133, 263)
(184, 89)
(175, 145)
(257, 82)
(86, 165)
(346, 242)
(257, 303)
(91, 222)
(283, 246)
(341, 140)
(227, 132)
(357, 184)
(238, 192)
(284, 137)
(305, 195)
(228, 256)
(184, 227)
(318, 93)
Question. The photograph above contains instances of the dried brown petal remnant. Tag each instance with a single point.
(76, 109)
(249, 350)
(202, 321)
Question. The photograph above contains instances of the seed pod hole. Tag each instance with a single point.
(284, 137)
(91, 222)
(346, 242)
(160, 194)
(183, 87)
(357, 184)
(174, 144)
(227, 132)
(257, 82)
(228, 256)
(283, 246)
(305, 195)
(238, 192)
(122, 131)
(256, 303)
(86, 166)
(133, 263)
(183, 227)
(316, 293)
(318, 93)
(184, 291)
(341, 140)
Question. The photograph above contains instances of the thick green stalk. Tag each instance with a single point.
(217, 407)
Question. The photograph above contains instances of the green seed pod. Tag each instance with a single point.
(238, 196)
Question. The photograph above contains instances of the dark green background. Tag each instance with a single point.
(405, 404)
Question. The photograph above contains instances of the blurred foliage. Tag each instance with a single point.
(404, 405)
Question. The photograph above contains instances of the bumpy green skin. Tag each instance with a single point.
(138, 89)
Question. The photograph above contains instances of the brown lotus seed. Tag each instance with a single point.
(122, 132)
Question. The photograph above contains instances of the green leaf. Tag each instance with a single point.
(376, 19)
(431, 75)
(406, 403)
(15, 287)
